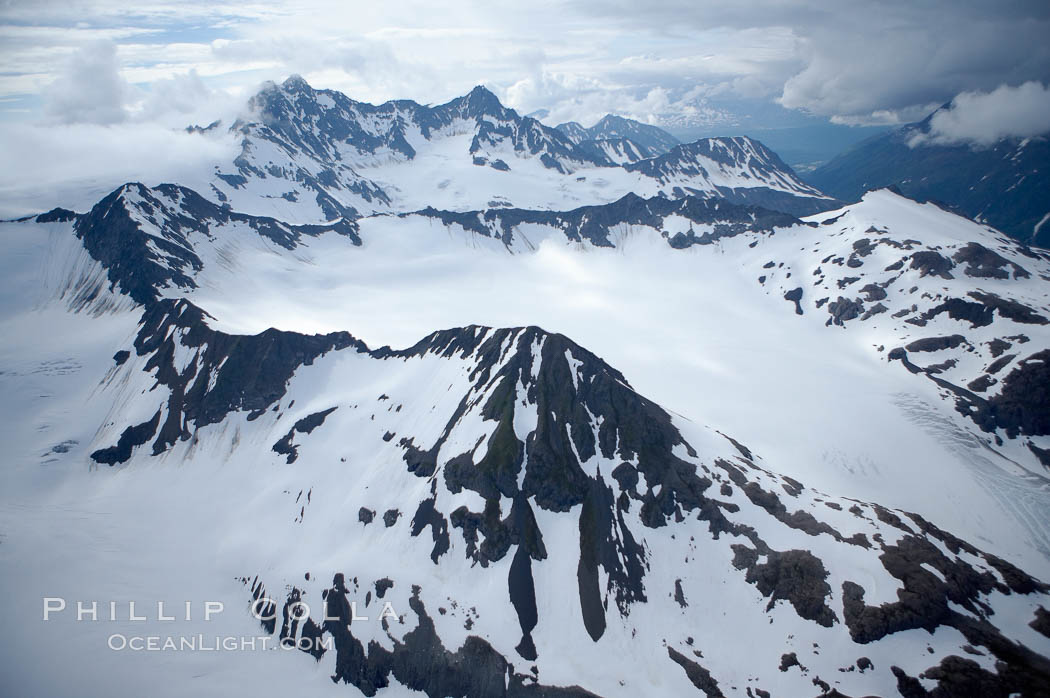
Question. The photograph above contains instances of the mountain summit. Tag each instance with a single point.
(311, 156)
(520, 504)
(436, 399)
(651, 139)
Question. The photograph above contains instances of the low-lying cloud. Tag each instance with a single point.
(982, 118)
(90, 89)
(75, 165)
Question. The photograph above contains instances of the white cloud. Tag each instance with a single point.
(184, 99)
(886, 117)
(37, 34)
(90, 90)
(982, 118)
(75, 165)
(570, 97)
(94, 89)
(856, 61)
(853, 58)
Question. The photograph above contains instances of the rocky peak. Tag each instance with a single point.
(481, 102)
(296, 83)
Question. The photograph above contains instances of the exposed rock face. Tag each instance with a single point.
(963, 302)
(595, 224)
(843, 310)
(1023, 404)
(145, 237)
(936, 343)
(699, 676)
(597, 452)
(322, 148)
(796, 576)
(652, 140)
(773, 184)
(983, 263)
(304, 426)
(1003, 185)
(327, 142)
(522, 450)
(131, 437)
(930, 263)
(227, 373)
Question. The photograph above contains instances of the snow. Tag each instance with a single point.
(574, 369)
(818, 399)
(1039, 225)
(690, 329)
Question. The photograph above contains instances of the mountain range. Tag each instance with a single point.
(485, 410)
(1003, 184)
(646, 139)
(310, 156)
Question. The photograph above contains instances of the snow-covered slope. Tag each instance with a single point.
(517, 506)
(1003, 184)
(883, 266)
(148, 239)
(313, 155)
(618, 150)
(517, 503)
(611, 127)
(320, 148)
(654, 440)
(961, 304)
(739, 169)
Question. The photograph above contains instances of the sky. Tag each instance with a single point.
(120, 75)
(855, 62)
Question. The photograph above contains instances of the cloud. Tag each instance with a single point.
(887, 117)
(93, 89)
(854, 58)
(568, 97)
(90, 90)
(75, 165)
(982, 118)
(855, 61)
(898, 59)
(180, 93)
(183, 99)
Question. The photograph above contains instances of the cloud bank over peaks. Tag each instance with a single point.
(982, 118)
(566, 97)
(90, 89)
(684, 63)
(104, 131)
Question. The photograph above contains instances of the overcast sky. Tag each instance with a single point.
(853, 61)
(100, 89)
